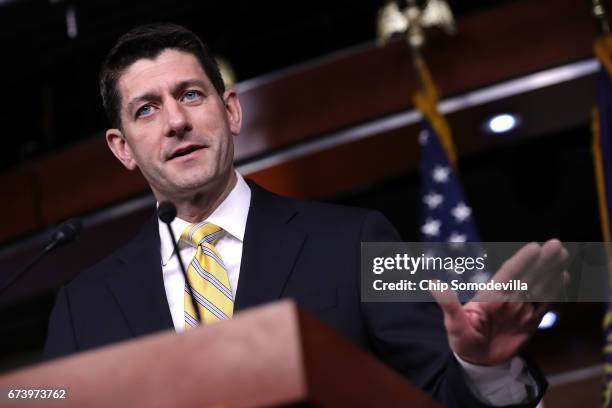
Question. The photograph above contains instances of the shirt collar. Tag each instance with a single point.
(231, 215)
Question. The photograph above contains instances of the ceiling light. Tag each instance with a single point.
(502, 123)
(548, 320)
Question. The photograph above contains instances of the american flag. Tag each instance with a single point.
(447, 216)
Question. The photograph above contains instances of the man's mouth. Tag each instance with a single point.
(184, 151)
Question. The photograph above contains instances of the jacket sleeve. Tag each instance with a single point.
(60, 335)
(411, 338)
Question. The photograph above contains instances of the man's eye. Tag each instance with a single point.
(191, 96)
(144, 111)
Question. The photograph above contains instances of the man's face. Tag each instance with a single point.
(175, 126)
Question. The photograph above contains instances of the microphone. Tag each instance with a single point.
(67, 232)
(166, 211)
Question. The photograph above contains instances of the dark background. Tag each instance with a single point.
(49, 81)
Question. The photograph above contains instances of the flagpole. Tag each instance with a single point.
(427, 96)
(603, 50)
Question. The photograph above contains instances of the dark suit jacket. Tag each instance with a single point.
(306, 251)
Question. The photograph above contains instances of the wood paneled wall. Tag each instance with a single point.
(339, 91)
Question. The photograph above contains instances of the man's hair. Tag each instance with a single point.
(148, 41)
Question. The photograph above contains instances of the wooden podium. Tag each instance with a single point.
(268, 356)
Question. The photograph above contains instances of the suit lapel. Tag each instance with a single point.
(138, 284)
(271, 248)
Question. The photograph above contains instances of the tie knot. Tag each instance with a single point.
(196, 234)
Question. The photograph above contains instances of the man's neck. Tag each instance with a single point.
(200, 206)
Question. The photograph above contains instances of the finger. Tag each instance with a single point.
(517, 267)
(501, 310)
(447, 299)
(527, 314)
(452, 309)
(514, 309)
(546, 280)
(554, 250)
(548, 288)
(567, 279)
(519, 264)
(550, 257)
(564, 254)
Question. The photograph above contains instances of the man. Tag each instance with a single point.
(173, 119)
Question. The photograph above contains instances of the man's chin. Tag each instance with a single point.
(195, 187)
(186, 188)
(187, 185)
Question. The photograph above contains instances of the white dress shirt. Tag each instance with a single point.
(231, 215)
(499, 385)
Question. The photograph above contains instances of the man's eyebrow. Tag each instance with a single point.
(181, 86)
(177, 89)
(142, 98)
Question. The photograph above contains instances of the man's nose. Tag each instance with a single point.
(177, 119)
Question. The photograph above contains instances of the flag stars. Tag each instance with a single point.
(433, 200)
(457, 238)
(461, 212)
(423, 137)
(440, 174)
(431, 228)
(480, 277)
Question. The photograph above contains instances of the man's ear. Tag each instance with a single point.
(120, 148)
(233, 110)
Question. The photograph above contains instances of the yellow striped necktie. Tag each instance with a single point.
(207, 277)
